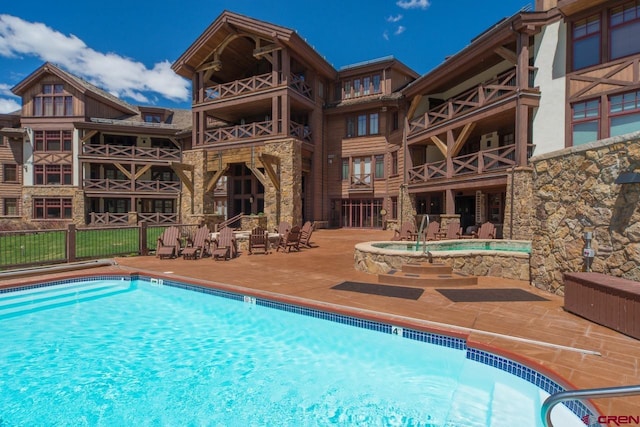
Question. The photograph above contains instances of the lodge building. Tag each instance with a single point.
(275, 130)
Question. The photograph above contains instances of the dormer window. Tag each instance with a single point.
(52, 101)
(152, 118)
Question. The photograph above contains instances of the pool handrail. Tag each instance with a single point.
(421, 232)
(554, 399)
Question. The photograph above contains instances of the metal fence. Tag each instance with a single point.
(42, 247)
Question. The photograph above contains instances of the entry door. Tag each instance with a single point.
(247, 193)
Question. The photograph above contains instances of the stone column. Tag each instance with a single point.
(519, 209)
(285, 205)
(194, 206)
(407, 205)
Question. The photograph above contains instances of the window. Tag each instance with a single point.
(624, 113)
(347, 90)
(10, 207)
(152, 118)
(585, 121)
(361, 171)
(379, 166)
(395, 121)
(53, 140)
(362, 124)
(625, 30)
(52, 101)
(10, 173)
(52, 208)
(52, 174)
(366, 83)
(351, 127)
(394, 163)
(345, 169)
(356, 87)
(373, 124)
(376, 83)
(586, 42)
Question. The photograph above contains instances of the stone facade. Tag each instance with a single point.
(57, 192)
(519, 198)
(574, 191)
(193, 207)
(285, 205)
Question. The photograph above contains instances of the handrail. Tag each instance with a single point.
(593, 393)
(218, 227)
(421, 231)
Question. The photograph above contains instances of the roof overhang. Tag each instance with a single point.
(13, 133)
(131, 128)
(571, 7)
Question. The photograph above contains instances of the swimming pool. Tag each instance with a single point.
(121, 350)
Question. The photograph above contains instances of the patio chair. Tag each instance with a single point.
(406, 232)
(259, 240)
(198, 245)
(291, 240)
(225, 245)
(432, 229)
(486, 231)
(452, 231)
(305, 234)
(168, 244)
(282, 230)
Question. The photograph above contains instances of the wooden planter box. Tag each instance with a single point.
(609, 301)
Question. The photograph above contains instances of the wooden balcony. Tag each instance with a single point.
(108, 218)
(478, 97)
(485, 161)
(255, 84)
(131, 186)
(361, 184)
(253, 130)
(129, 152)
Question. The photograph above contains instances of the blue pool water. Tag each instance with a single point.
(119, 352)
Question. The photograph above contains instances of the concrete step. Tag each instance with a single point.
(426, 268)
(402, 278)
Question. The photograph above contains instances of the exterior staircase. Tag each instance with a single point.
(426, 274)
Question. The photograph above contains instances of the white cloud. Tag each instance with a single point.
(385, 35)
(400, 30)
(413, 4)
(394, 18)
(8, 105)
(123, 77)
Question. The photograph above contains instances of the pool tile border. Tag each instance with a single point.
(481, 356)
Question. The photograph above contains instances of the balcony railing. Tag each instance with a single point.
(495, 159)
(300, 131)
(108, 218)
(130, 152)
(255, 84)
(254, 130)
(477, 97)
(109, 185)
(111, 219)
(361, 183)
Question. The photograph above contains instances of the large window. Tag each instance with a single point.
(379, 166)
(361, 86)
(345, 169)
(363, 124)
(585, 121)
(10, 173)
(52, 174)
(53, 140)
(586, 42)
(52, 208)
(53, 101)
(625, 30)
(624, 113)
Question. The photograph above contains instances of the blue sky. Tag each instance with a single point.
(127, 48)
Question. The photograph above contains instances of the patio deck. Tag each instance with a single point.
(540, 331)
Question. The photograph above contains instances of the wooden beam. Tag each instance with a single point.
(462, 138)
(270, 164)
(263, 179)
(507, 54)
(142, 171)
(413, 107)
(442, 146)
(180, 169)
(87, 136)
(214, 179)
(175, 142)
(263, 50)
(123, 170)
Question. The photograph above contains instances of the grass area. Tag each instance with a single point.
(49, 246)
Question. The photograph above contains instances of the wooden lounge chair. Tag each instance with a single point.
(225, 245)
(406, 232)
(486, 231)
(291, 240)
(305, 234)
(432, 229)
(282, 230)
(198, 245)
(168, 245)
(452, 231)
(259, 240)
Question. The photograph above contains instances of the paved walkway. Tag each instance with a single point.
(585, 354)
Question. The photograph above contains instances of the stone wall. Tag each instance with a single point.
(519, 225)
(287, 205)
(574, 191)
(193, 207)
(57, 192)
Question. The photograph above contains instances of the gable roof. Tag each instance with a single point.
(79, 84)
(229, 23)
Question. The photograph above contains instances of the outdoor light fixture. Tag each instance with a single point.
(251, 199)
(628, 178)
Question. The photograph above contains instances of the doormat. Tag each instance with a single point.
(382, 290)
(489, 295)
